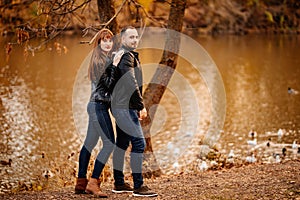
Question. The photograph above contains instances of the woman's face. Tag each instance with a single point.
(106, 44)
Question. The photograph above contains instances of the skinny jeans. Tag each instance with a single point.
(99, 126)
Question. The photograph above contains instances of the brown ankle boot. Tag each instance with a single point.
(93, 187)
(80, 185)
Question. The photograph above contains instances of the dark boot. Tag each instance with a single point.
(93, 187)
(81, 184)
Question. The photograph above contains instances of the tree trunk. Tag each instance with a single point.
(163, 74)
(106, 11)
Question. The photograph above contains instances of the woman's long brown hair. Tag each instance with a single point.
(99, 57)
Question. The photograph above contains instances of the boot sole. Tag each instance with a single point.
(80, 192)
(121, 191)
(95, 195)
(144, 195)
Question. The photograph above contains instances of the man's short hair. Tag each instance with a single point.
(125, 29)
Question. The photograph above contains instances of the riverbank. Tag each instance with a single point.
(253, 181)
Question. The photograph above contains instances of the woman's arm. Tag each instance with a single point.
(111, 71)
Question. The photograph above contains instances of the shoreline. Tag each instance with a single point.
(252, 181)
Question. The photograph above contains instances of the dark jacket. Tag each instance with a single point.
(128, 90)
(102, 86)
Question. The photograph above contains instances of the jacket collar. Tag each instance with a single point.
(126, 49)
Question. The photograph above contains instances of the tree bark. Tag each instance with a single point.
(106, 11)
(154, 92)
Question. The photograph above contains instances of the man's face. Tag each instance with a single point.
(130, 38)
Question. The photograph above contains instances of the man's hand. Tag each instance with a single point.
(142, 114)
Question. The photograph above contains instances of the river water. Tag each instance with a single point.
(43, 104)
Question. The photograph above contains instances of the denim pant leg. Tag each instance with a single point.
(99, 126)
(128, 122)
(90, 141)
(122, 144)
(84, 158)
(136, 160)
(105, 130)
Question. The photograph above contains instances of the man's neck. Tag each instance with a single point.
(127, 48)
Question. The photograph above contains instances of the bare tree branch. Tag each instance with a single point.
(24, 3)
(106, 24)
(116, 14)
(147, 14)
(55, 34)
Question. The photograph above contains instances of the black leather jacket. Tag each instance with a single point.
(102, 86)
(128, 89)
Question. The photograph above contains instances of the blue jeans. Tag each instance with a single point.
(99, 126)
(128, 130)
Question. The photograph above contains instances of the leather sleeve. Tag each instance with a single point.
(109, 78)
(126, 66)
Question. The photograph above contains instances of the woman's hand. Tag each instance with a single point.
(118, 57)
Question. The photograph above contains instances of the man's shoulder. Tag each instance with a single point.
(129, 56)
(128, 52)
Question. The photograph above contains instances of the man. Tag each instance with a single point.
(128, 109)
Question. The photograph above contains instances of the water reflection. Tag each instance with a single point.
(37, 131)
(39, 135)
(257, 74)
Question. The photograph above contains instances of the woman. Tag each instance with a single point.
(102, 75)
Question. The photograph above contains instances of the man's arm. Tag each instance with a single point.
(126, 67)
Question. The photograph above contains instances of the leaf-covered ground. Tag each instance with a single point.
(255, 181)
